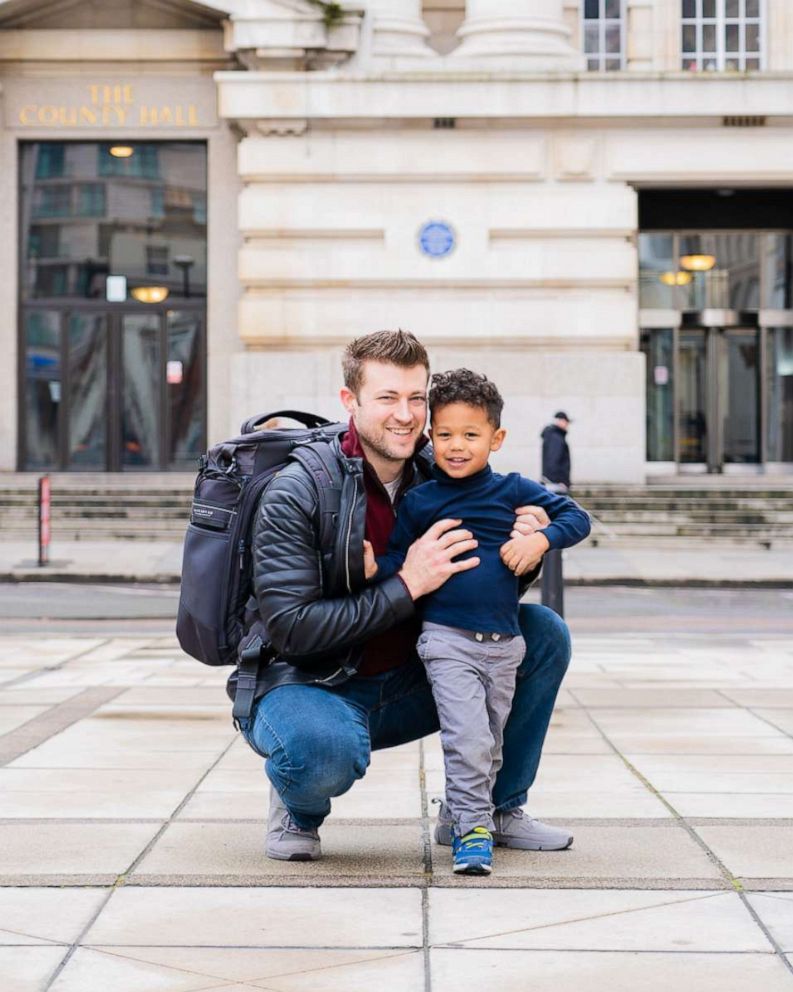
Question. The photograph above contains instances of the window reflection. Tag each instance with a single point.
(87, 213)
(658, 348)
(733, 283)
(42, 387)
(657, 269)
(87, 362)
(184, 374)
(780, 394)
(778, 271)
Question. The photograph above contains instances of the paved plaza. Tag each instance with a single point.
(132, 828)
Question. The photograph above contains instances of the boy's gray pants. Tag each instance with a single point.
(473, 683)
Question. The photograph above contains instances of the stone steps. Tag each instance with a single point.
(156, 507)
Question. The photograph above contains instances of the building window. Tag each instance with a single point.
(157, 260)
(49, 162)
(604, 34)
(719, 35)
(90, 200)
(52, 201)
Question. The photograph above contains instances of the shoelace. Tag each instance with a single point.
(518, 814)
(291, 827)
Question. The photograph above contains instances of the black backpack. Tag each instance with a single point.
(216, 563)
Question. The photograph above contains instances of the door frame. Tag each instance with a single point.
(114, 391)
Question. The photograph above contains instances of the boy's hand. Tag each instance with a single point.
(369, 563)
(522, 554)
(528, 520)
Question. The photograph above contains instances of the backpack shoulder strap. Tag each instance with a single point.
(322, 465)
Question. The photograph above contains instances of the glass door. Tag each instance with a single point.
(113, 389)
(141, 380)
(739, 396)
(718, 397)
(692, 397)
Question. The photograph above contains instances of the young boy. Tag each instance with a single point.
(470, 641)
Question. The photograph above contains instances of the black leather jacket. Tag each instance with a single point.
(315, 610)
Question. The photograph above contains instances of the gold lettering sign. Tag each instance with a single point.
(109, 106)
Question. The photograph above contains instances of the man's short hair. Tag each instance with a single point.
(465, 386)
(396, 347)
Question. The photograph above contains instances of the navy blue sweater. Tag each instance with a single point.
(484, 598)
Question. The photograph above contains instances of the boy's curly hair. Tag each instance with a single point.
(465, 386)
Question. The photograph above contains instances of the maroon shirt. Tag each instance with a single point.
(393, 647)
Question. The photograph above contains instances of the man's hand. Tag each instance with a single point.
(528, 520)
(430, 560)
(523, 554)
(369, 562)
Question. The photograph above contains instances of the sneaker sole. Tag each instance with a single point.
(446, 841)
(472, 869)
(534, 847)
(292, 857)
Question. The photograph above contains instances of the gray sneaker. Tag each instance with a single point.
(513, 829)
(286, 841)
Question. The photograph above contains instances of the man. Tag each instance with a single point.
(556, 454)
(346, 679)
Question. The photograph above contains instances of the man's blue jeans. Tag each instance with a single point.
(318, 740)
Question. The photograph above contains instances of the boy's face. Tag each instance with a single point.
(462, 438)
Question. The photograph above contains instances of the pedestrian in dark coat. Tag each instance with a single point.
(556, 454)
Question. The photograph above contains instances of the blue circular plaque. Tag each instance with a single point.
(437, 239)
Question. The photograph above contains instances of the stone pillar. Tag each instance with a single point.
(398, 29)
(533, 31)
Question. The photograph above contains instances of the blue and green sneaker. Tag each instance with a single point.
(473, 853)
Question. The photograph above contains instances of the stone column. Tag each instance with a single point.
(398, 29)
(532, 32)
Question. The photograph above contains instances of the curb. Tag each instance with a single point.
(650, 583)
(173, 579)
(91, 578)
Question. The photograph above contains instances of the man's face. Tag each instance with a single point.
(462, 439)
(390, 409)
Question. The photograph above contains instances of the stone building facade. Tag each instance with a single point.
(520, 182)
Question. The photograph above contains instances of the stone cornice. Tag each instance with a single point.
(444, 91)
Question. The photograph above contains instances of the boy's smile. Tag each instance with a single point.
(462, 439)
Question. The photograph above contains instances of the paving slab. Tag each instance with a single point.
(192, 851)
(580, 920)
(604, 971)
(672, 722)
(30, 917)
(10, 719)
(260, 917)
(240, 970)
(655, 698)
(753, 851)
(661, 855)
(771, 743)
(94, 793)
(760, 806)
(28, 970)
(46, 851)
(776, 911)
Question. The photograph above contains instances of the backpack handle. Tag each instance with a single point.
(309, 420)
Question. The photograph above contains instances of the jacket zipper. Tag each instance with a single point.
(349, 535)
